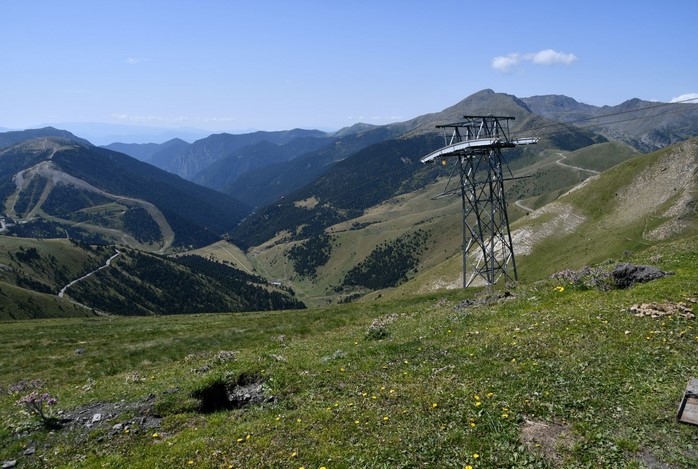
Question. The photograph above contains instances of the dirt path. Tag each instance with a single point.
(523, 207)
(107, 264)
(565, 165)
(238, 261)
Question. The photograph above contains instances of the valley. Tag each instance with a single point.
(320, 322)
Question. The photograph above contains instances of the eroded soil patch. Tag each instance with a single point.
(551, 440)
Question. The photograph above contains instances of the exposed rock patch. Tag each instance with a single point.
(120, 416)
(221, 395)
(658, 310)
(627, 275)
(666, 188)
(559, 219)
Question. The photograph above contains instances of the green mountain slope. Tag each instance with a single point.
(225, 172)
(63, 278)
(53, 187)
(348, 243)
(632, 206)
(538, 378)
(266, 185)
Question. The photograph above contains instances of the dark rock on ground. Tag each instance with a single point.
(627, 275)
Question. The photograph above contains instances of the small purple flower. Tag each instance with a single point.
(36, 403)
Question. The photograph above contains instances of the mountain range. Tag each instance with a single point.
(261, 167)
(318, 215)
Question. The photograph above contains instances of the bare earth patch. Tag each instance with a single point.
(560, 220)
(668, 186)
(309, 203)
(551, 440)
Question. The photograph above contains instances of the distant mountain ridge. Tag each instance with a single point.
(644, 125)
(193, 158)
(262, 167)
(146, 151)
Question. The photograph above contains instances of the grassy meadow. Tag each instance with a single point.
(548, 376)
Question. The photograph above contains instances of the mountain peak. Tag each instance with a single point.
(16, 136)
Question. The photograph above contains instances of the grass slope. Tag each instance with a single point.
(632, 206)
(44, 266)
(440, 264)
(418, 382)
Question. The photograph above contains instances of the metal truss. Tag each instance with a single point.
(476, 144)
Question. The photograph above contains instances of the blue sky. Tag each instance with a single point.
(272, 65)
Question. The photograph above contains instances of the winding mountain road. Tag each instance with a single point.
(523, 207)
(563, 157)
(107, 264)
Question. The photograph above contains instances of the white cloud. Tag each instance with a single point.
(686, 98)
(552, 57)
(505, 63)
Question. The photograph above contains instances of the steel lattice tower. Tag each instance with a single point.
(476, 144)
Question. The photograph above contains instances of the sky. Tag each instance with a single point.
(274, 65)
